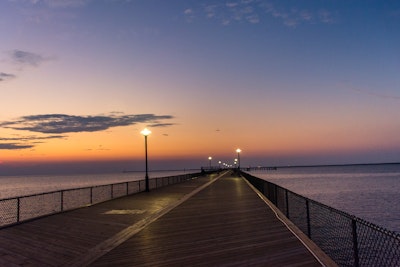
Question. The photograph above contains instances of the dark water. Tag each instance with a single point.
(371, 192)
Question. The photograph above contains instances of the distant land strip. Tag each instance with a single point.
(326, 165)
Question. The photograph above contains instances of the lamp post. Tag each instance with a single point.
(238, 156)
(209, 159)
(219, 164)
(145, 133)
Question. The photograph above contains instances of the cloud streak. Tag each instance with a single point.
(62, 123)
(14, 146)
(6, 76)
(161, 124)
(257, 11)
(25, 142)
(27, 58)
(60, 3)
(32, 138)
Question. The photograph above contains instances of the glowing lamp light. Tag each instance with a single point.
(238, 156)
(145, 133)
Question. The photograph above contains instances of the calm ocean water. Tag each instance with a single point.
(371, 192)
(14, 186)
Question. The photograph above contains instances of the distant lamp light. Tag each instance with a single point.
(209, 159)
(238, 156)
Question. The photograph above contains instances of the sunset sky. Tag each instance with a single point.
(289, 82)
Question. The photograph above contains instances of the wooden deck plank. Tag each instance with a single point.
(226, 224)
(59, 239)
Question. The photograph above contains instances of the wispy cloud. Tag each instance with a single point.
(257, 11)
(26, 58)
(188, 11)
(161, 124)
(292, 17)
(13, 146)
(21, 60)
(240, 11)
(99, 148)
(231, 4)
(32, 138)
(67, 3)
(189, 14)
(6, 76)
(24, 142)
(58, 3)
(62, 123)
(210, 11)
(306, 15)
(325, 16)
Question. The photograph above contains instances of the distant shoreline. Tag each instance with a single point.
(175, 170)
(282, 166)
(334, 165)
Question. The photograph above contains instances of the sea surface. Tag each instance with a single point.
(16, 186)
(370, 192)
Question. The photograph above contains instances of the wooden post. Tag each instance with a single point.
(355, 243)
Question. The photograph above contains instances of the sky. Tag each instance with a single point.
(288, 82)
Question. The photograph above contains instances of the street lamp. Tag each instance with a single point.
(145, 133)
(219, 164)
(209, 159)
(238, 156)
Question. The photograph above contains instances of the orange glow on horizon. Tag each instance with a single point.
(181, 142)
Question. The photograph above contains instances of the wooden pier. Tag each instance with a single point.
(216, 220)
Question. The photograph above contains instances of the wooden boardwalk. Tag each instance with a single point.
(209, 221)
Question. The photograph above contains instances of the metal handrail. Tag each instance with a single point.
(347, 239)
(16, 210)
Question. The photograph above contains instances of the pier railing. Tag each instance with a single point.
(18, 209)
(348, 240)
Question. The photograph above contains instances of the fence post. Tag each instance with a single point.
(308, 218)
(274, 195)
(62, 200)
(287, 203)
(18, 209)
(355, 242)
(91, 195)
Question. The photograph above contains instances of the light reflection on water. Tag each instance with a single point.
(371, 192)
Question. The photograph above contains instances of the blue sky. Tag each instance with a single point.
(290, 82)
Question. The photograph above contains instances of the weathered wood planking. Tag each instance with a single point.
(226, 224)
(59, 239)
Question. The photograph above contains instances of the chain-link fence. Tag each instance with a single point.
(19, 209)
(348, 240)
